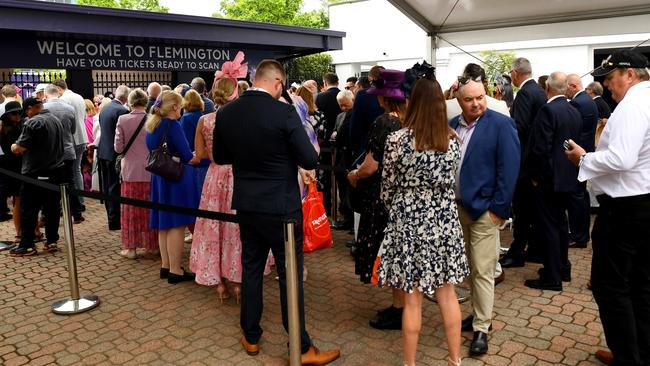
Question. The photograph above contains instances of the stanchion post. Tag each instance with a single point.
(334, 209)
(292, 293)
(75, 304)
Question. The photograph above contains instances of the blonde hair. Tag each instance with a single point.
(90, 107)
(137, 97)
(104, 103)
(223, 89)
(192, 101)
(167, 100)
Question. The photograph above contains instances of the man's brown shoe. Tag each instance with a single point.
(251, 349)
(316, 357)
(604, 356)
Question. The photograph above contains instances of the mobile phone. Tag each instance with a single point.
(566, 145)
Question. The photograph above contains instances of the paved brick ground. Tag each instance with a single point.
(143, 320)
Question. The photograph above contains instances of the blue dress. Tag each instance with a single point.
(181, 193)
(189, 122)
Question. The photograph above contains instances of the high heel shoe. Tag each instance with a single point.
(222, 292)
(236, 289)
(451, 362)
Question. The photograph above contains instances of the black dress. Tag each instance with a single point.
(9, 133)
(373, 214)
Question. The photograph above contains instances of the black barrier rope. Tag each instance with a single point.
(220, 216)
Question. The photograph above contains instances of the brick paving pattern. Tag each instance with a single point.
(142, 320)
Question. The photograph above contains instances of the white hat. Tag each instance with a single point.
(39, 88)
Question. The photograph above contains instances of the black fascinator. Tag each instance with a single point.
(415, 73)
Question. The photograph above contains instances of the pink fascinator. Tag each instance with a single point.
(232, 70)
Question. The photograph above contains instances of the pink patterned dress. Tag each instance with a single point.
(216, 246)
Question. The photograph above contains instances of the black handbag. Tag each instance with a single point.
(120, 156)
(162, 163)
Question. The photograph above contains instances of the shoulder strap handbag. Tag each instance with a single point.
(120, 156)
(161, 162)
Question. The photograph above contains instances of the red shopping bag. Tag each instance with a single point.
(375, 267)
(316, 227)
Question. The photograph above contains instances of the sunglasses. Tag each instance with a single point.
(466, 79)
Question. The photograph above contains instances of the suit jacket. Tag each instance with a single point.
(603, 108)
(365, 111)
(265, 142)
(327, 103)
(530, 98)
(489, 170)
(589, 112)
(555, 122)
(107, 123)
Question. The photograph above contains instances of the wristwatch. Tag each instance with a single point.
(582, 158)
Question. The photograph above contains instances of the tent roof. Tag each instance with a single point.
(471, 15)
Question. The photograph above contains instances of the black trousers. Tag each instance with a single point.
(110, 184)
(68, 177)
(550, 219)
(579, 216)
(523, 207)
(620, 276)
(32, 199)
(259, 234)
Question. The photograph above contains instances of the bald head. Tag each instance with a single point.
(154, 90)
(556, 84)
(472, 100)
(574, 85)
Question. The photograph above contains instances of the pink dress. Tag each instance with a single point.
(216, 245)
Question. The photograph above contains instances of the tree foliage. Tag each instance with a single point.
(148, 5)
(286, 12)
(497, 63)
(311, 67)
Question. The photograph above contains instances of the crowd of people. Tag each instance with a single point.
(426, 179)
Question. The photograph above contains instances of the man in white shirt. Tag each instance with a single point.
(80, 139)
(619, 172)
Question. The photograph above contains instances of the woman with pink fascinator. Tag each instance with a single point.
(215, 256)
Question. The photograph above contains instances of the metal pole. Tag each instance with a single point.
(292, 293)
(334, 210)
(75, 304)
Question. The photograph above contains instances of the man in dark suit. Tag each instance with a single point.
(485, 184)
(529, 100)
(554, 180)
(265, 169)
(364, 112)
(579, 203)
(109, 180)
(326, 103)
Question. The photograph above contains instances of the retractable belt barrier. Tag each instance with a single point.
(78, 304)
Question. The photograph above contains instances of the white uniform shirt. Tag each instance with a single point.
(620, 166)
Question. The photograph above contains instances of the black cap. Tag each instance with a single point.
(30, 102)
(12, 107)
(621, 59)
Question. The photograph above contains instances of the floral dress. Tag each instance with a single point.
(373, 216)
(423, 244)
(216, 245)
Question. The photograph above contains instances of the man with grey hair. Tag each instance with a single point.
(579, 203)
(343, 157)
(109, 180)
(595, 91)
(554, 179)
(529, 100)
(153, 90)
(198, 84)
(80, 141)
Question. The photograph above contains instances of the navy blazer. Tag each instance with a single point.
(530, 98)
(365, 111)
(265, 142)
(589, 112)
(489, 170)
(556, 121)
(108, 123)
(327, 103)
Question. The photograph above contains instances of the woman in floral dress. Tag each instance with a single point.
(216, 246)
(422, 251)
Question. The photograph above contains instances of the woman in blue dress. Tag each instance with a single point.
(162, 121)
